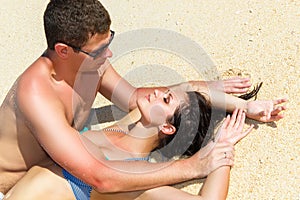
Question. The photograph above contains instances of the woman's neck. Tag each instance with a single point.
(139, 141)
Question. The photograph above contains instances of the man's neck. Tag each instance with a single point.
(61, 69)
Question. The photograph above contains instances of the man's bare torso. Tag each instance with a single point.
(19, 149)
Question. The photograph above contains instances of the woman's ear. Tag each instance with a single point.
(61, 50)
(168, 129)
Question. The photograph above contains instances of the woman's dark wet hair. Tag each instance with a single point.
(195, 122)
(253, 93)
(74, 21)
(191, 121)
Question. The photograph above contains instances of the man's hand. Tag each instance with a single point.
(213, 156)
(265, 111)
(232, 128)
(236, 85)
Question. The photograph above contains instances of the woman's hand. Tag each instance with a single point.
(265, 111)
(221, 152)
(232, 128)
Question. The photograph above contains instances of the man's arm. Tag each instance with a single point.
(124, 95)
(46, 117)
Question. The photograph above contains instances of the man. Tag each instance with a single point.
(49, 103)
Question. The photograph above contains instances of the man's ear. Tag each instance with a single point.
(168, 129)
(62, 50)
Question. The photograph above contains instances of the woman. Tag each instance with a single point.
(164, 115)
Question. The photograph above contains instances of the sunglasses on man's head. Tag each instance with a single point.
(97, 53)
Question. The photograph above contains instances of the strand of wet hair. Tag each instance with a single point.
(253, 93)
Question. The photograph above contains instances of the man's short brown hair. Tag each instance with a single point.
(74, 21)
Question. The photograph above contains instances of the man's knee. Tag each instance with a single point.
(37, 170)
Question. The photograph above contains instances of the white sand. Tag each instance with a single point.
(256, 38)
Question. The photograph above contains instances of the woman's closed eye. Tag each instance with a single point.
(167, 98)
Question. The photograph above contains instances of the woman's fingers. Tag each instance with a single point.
(279, 101)
(244, 134)
(224, 150)
(233, 118)
(239, 120)
(232, 127)
(226, 122)
(242, 122)
(275, 117)
(222, 134)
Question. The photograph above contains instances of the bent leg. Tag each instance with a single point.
(160, 193)
(41, 183)
(166, 193)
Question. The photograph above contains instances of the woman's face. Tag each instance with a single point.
(156, 107)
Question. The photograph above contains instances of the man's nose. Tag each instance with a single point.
(108, 53)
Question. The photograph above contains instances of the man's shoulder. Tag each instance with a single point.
(35, 81)
(38, 72)
(42, 66)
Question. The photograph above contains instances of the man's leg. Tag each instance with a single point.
(41, 183)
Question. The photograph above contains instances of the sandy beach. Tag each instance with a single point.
(258, 39)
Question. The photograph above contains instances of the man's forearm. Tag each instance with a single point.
(219, 99)
(131, 176)
(217, 96)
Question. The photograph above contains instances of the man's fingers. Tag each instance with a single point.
(225, 162)
(235, 90)
(237, 79)
(225, 157)
(237, 85)
(242, 85)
